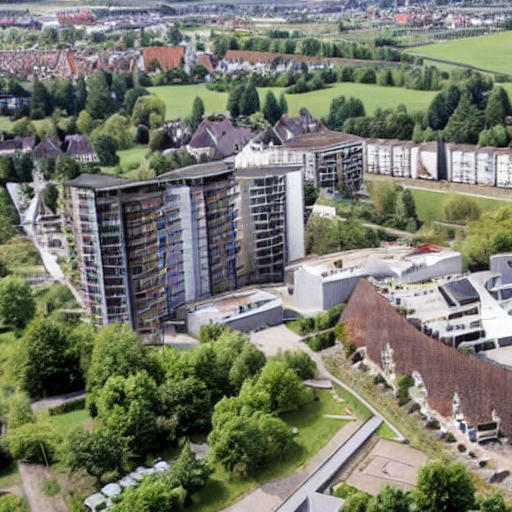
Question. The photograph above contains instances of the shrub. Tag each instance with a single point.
(142, 134)
(450, 438)
(461, 447)
(51, 486)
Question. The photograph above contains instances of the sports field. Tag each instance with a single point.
(492, 52)
(179, 98)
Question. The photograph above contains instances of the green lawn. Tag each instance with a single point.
(492, 52)
(132, 156)
(63, 423)
(314, 432)
(179, 98)
(430, 205)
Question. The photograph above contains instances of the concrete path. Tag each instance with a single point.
(32, 476)
(321, 478)
(55, 401)
(269, 496)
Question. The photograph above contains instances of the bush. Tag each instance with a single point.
(142, 134)
(51, 486)
(450, 438)
(461, 447)
(75, 405)
(321, 341)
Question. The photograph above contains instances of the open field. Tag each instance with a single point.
(490, 52)
(179, 98)
(430, 205)
(314, 432)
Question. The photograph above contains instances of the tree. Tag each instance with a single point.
(271, 109)
(400, 126)
(444, 487)
(51, 196)
(118, 128)
(186, 405)
(174, 36)
(20, 412)
(149, 111)
(189, 472)
(84, 122)
(495, 136)
(278, 389)
(119, 84)
(212, 332)
(498, 107)
(311, 47)
(357, 502)
(283, 105)
(81, 93)
(310, 193)
(239, 445)
(117, 351)
(99, 103)
(384, 197)
(142, 134)
(50, 368)
(233, 104)
(391, 499)
(106, 149)
(442, 107)
(68, 169)
(152, 495)
(409, 204)
(131, 98)
(197, 113)
(35, 442)
(128, 407)
(300, 363)
(465, 124)
(248, 364)
(40, 105)
(249, 101)
(96, 453)
(23, 127)
(461, 208)
(17, 304)
(495, 503)
(4, 269)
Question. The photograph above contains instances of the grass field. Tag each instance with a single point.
(430, 205)
(314, 432)
(179, 98)
(490, 52)
(63, 423)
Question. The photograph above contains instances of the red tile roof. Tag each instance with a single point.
(167, 56)
(206, 61)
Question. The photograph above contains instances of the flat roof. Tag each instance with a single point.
(97, 181)
(258, 172)
(230, 303)
(196, 171)
(104, 182)
(322, 139)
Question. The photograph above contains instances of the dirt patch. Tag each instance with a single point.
(387, 463)
(32, 476)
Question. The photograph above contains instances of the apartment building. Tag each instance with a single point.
(273, 227)
(143, 248)
(330, 159)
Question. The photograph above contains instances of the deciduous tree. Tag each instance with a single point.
(17, 304)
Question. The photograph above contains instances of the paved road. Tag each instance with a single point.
(322, 477)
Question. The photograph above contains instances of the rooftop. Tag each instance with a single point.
(322, 139)
(96, 181)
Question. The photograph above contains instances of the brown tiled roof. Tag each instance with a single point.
(322, 139)
(47, 148)
(206, 61)
(482, 386)
(167, 56)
